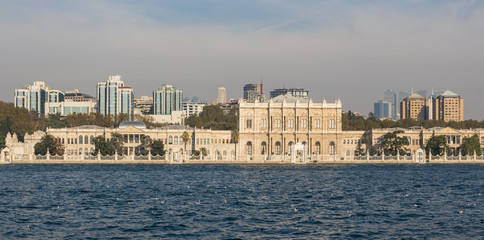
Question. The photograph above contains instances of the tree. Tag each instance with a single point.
(359, 150)
(204, 152)
(116, 143)
(471, 145)
(436, 145)
(392, 143)
(185, 138)
(157, 147)
(101, 146)
(48, 142)
(145, 146)
(235, 139)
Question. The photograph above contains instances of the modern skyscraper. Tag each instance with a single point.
(253, 91)
(382, 109)
(166, 100)
(391, 97)
(39, 98)
(222, 95)
(295, 92)
(414, 107)
(448, 106)
(113, 97)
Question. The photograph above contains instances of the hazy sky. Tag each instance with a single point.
(351, 50)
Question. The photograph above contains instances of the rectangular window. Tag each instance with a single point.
(264, 123)
(291, 123)
(331, 124)
(278, 123)
(317, 123)
(249, 123)
(304, 123)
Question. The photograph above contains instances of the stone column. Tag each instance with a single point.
(149, 155)
(48, 154)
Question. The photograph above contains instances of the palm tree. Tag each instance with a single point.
(186, 138)
(235, 139)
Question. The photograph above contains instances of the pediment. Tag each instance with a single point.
(130, 130)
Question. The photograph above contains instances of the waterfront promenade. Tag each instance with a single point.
(142, 160)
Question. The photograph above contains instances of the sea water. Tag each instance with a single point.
(242, 202)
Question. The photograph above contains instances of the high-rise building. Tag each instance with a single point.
(113, 97)
(414, 107)
(383, 109)
(448, 106)
(253, 92)
(391, 97)
(193, 107)
(222, 96)
(39, 98)
(166, 100)
(144, 104)
(295, 92)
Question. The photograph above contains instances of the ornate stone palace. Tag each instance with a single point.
(284, 128)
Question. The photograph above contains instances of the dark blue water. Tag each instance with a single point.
(246, 202)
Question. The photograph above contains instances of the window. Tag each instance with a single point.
(170, 140)
(278, 123)
(249, 123)
(317, 148)
(291, 123)
(86, 139)
(264, 123)
(175, 140)
(80, 139)
(331, 148)
(249, 148)
(278, 148)
(92, 140)
(304, 123)
(264, 148)
(331, 123)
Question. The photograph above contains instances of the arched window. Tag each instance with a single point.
(482, 140)
(80, 139)
(317, 148)
(80, 151)
(278, 148)
(249, 148)
(92, 140)
(86, 139)
(175, 140)
(225, 153)
(331, 148)
(264, 148)
(170, 140)
(86, 151)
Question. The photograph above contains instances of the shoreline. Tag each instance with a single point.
(259, 163)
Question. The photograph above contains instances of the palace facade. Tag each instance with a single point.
(287, 126)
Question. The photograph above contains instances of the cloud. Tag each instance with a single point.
(336, 49)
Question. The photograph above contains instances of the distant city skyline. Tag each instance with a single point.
(348, 50)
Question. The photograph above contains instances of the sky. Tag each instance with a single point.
(337, 49)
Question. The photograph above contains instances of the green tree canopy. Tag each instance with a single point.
(471, 145)
(48, 142)
(157, 147)
(213, 117)
(436, 145)
(392, 143)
